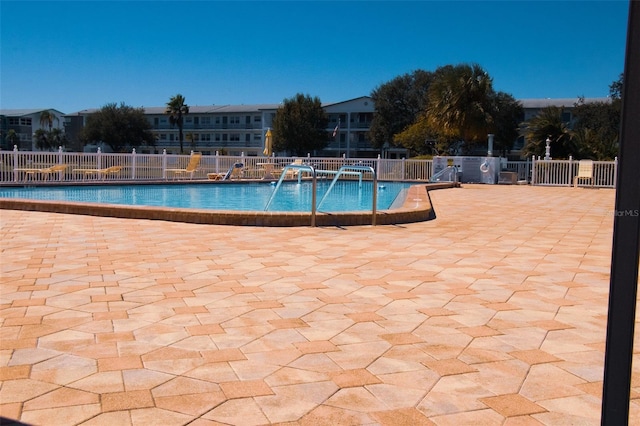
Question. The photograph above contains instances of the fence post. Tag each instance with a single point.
(133, 164)
(164, 164)
(60, 161)
(404, 170)
(99, 160)
(15, 163)
(217, 161)
(570, 177)
(533, 170)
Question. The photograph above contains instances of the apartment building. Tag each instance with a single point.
(25, 122)
(238, 129)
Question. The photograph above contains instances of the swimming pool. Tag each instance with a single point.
(415, 208)
(290, 197)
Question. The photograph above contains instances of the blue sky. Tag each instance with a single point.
(84, 54)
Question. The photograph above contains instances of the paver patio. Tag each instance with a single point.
(494, 313)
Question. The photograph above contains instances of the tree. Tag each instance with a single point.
(300, 125)
(397, 105)
(57, 138)
(597, 128)
(119, 127)
(42, 139)
(549, 124)
(47, 118)
(177, 109)
(12, 138)
(507, 113)
(460, 103)
(615, 88)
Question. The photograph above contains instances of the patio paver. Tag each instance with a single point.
(493, 313)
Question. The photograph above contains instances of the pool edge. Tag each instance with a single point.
(416, 208)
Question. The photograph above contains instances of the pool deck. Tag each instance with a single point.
(493, 313)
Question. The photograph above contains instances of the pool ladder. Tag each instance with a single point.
(314, 185)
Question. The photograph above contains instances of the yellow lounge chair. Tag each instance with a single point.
(191, 168)
(46, 171)
(104, 172)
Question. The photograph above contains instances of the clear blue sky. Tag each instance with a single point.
(84, 54)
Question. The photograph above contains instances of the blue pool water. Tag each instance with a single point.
(291, 196)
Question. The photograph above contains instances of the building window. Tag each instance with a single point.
(234, 120)
(234, 137)
(205, 120)
(205, 137)
(257, 119)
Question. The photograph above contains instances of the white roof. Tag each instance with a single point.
(23, 112)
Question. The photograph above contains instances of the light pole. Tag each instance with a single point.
(547, 149)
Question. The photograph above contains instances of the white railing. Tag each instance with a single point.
(25, 166)
(563, 172)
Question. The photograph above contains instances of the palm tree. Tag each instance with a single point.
(46, 119)
(549, 124)
(42, 139)
(460, 103)
(12, 138)
(177, 108)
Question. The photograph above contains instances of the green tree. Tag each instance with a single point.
(47, 118)
(460, 103)
(300, 125)
(549, 124)
(507, 113)
(42, 142)
(57, 138)
(120, 127)
(177, 109)
(12, 138)
(615, 88)
(597, 128)
(397, 105)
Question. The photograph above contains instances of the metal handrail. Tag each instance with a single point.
(299, 167)
(375, 186)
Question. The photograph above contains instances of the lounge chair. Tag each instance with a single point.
(103, 172)
(45, 171)
(191, 168)
(293, 173)
(585, 172)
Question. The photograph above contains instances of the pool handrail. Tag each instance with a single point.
(344, 170)
(300, 168)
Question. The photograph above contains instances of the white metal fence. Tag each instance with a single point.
(34, 166)
(563, 172)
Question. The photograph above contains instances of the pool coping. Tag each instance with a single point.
(416, 208)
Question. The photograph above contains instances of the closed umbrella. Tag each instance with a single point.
(268, 144)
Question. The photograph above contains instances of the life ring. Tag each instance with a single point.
(485, 167)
